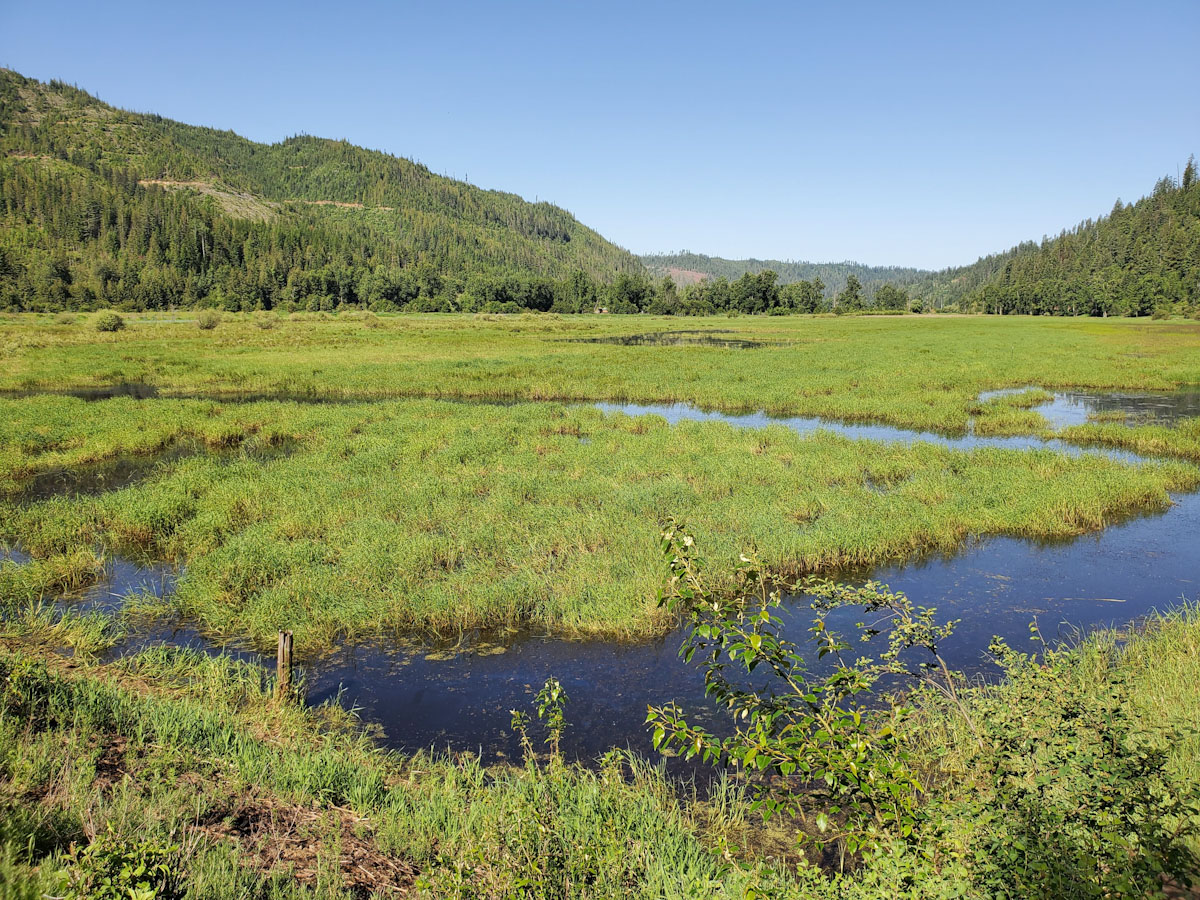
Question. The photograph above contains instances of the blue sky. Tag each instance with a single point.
(890, 133)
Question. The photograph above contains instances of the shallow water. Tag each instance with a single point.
(424, 697)
(680, 338)
(804, 425)
(1072, 407)
(1077, 407)
(997, 586)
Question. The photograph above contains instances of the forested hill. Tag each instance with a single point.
(99, 206)
(1140, 259)
(688, 268)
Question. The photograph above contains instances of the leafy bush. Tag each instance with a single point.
(64, 319)
(109, 321)
(1074, 796)
(1048, 784)
(208, 319)
(551, 702)
(112, 868)
(810, 742)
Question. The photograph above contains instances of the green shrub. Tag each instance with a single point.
(807, 741)
(64, 319)
(113, 868)
(208, 319)
(109, 321)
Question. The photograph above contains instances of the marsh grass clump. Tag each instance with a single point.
(46, 577)
(109, 322)
(1180, 440)
(402, 514)
(208, 319)
(64, 319)
(1011, 414)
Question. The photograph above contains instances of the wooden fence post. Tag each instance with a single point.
(283, 666)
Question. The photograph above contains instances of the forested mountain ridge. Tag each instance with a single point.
(686, 267)
(99, 206)
(1140, 259)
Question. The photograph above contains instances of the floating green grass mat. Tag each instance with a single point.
(441, 516)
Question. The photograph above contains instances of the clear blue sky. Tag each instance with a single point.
(891, 133)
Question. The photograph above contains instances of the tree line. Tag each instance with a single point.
(1141, 259)
(834, 276)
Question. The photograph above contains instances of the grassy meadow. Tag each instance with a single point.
(338, 518)
(914, 371)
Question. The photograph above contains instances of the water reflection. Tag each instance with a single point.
(805, 425)
(1079, 407)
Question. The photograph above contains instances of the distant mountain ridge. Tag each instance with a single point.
(688, 268)
(95, 198)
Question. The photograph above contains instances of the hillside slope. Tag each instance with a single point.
(1141, 258)
(99, 205)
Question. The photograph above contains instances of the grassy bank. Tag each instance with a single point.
(295, 803)
(443, 516)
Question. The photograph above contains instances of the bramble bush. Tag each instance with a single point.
(809, 741)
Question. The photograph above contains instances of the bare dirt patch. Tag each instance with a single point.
(342, 205)
(686, 276)
(111, 767)
(274, 835)
(237, 204)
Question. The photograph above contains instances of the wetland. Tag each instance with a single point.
(441, 550)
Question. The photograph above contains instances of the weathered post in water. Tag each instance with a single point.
(283, 666)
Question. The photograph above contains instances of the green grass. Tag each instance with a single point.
(917, 371)
(127, 744)
(1181, 440)
(435, 515)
